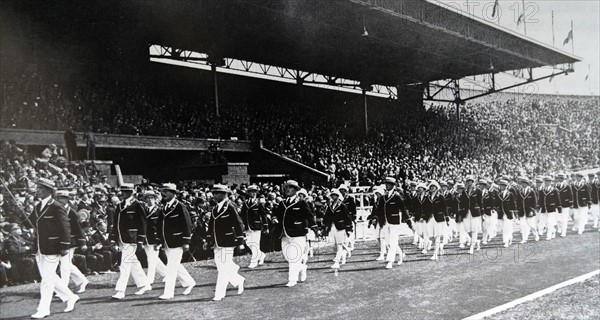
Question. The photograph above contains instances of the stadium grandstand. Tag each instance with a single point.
(99, 94)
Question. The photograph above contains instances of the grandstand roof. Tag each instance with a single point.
(408, 41)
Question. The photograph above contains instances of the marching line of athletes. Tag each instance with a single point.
(440, 214)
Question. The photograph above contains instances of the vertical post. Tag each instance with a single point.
(213, 68)
(572, 39)
(524, 18)
(364, 93)
(553, 28)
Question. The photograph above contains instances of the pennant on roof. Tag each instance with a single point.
(569, 38)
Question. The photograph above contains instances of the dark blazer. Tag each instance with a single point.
(451, 204)
(549, 200)
(254, 216)
(435, 207)
(581, 195)
(151, 217)
(338, 215)
(595, 191)
(390, 209)
(225, 227)
(130, 223)
(419, 207)
(488, 201)
(52, 227)
(77, 233)
(472, 201)
(506, 204)
(14, 248)
(350, 203)
(295, 218)
(174, 226)
(526, 202)
(565, 192)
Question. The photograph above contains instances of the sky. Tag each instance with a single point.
(586, 36)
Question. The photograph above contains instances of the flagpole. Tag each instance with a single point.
(553, 29)
(524, 18)
(572, 39)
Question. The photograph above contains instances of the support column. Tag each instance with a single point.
(213, 68)
(364, 93)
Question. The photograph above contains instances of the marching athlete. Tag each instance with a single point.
(594, 185)
(350, 204)
(565, 193)
(153, 211)
(129, 233)
(490, 216)
(338, 223)
(254, 217)
(436, 217)
(526, 206)
(389, 214)
(471, 201)
(581, 202)
(51, 224)
(419, 212)
(225, 232)
(549, 203)
(506, 207)
(374, 221)
(295, 218)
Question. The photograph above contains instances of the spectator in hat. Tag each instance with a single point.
(19, 255)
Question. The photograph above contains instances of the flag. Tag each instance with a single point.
(494, 10)
(569, 38)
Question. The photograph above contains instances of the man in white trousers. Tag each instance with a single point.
(67, 268)
(225, 232)
(565, 193)
(389, 213)
(506, 206)
(549, 202)
(581, 202)
(294, 218)
(350, 203)
(254, 217)
(153, 211)
(594, 184)
(129, 232)
(51, 223)
(174, 233)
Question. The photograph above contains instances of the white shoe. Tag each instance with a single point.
(484, 242)
(82, 286)
(143, 290)
(71, 303)
(165, 297)
(349, 252)
(506, 245)
(218, 298)
(478, 246)
(462, 246)
(291, 284)
(261, 261)
(424, 251)
(523, 241)
(241, 287)
(253, 265)
(40, 315)
(471, 251)
(537, 237)
(434, 257)
(120, 295)
(389, 265)
(303, 273)
(380, 258)
(336, 265)
(188, 289)
(563, 235)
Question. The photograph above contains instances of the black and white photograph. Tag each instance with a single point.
(300, 159)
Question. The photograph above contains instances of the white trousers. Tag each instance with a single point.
(382, 233)
(463, 236)
(154, 263)
(581, 218)
(595, 210)
(526, 225)
(227, 270)
(175, 270)
(563, 220)
(548, 221)
(506, 225)
(393, 235)
(47, 265)
(253, 242)
(293, 249)
(130, 265)
(340, 240)
(67, 268)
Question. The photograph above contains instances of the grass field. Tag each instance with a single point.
(457, 286)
